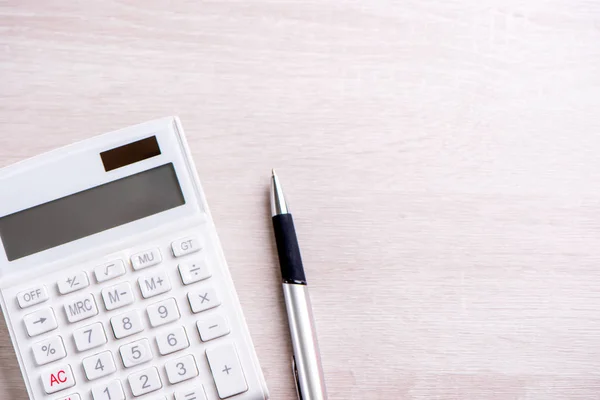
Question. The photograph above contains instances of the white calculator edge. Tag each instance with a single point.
(75, 169)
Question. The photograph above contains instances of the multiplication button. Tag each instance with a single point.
(203, 299)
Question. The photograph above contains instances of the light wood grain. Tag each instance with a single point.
(441, 158)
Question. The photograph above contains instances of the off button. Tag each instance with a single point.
(32, 296)
(185, 246)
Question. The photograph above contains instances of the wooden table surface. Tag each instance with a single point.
(442, 159)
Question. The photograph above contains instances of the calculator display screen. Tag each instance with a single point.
(91, 211)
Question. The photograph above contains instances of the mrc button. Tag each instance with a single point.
(33, 296)
(81, 307)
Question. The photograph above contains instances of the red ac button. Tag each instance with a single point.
(57, 379)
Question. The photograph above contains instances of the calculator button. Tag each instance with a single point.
(89, 337)
(145, 381)
(226, 370)
(117, 296)
(203, 299)
(126, 324)
(72, 396)
(212, 328)
(109, 270)
(32, 296)
(172, 340)
(163, 312)
(39, 322)
(49, 350)
(73, 282)
(185, 246)
(136, 353)
(196, 393)
(81, 307)
(98, 366)
(57, 379)
(193, 271)
(181, 369)
(146, 259)
(153, 285)
(108, 391)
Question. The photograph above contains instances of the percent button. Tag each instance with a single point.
(49, 350)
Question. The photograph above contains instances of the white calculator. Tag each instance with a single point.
(113, 282)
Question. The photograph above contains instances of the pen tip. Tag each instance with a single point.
(273, 174)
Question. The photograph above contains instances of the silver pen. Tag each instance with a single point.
(306, 362)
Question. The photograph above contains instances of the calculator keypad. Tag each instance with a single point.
(109, 391)
(145, 259)
(145, 381)
(154, 284)
(136, 353)
(203, 299)
(163, 312)
(99, 365)
(40, 321)
(194, 271)
(58, 378)
(181, 369)
(73, 282)
(128, 315)
(49, 350)
(172, 341)
(109, 271)
(81, 307)
(127, 324)
(212, 327)
(33, 296)
(117, 296)
(89, 337)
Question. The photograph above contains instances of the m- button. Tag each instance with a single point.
(33, 296)
(185, 246)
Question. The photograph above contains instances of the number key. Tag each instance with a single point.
(99, 365)
(109, 391)
(172, 340)
(145, 381)
(126, 324)
(163, 312)
(135, 353)
(181, 369)
(89, 337)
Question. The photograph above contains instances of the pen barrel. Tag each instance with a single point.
(310, 381)
(290, 260)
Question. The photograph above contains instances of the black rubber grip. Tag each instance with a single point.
(290, 260)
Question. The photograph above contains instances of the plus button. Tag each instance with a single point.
(226, 369)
